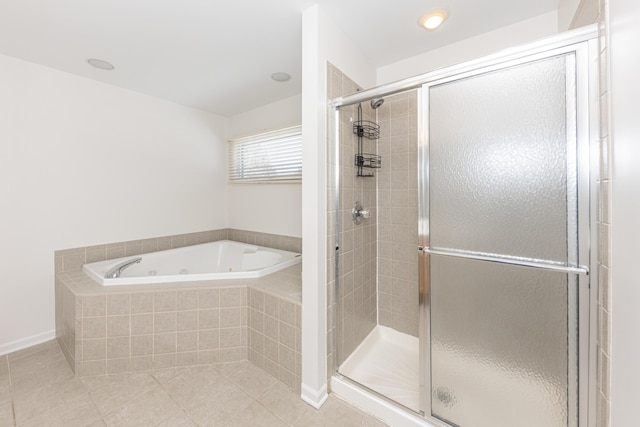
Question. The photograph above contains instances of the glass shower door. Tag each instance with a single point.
(500, 233)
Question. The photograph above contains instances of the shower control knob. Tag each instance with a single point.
(358, 213)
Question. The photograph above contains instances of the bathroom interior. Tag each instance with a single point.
(382, 214)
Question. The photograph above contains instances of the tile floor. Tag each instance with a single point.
(37, 388)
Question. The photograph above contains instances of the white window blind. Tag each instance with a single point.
(269, 156)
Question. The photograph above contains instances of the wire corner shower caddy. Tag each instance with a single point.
(369, 130)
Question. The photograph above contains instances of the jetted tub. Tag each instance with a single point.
(223, 259)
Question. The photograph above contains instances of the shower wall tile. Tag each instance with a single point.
(398, 215)
(352, 306)
(357, 260)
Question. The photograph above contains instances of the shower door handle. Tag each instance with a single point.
(505, 260)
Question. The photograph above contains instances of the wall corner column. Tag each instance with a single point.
(314, 229)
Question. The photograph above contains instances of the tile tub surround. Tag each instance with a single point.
(73, 259)
(275, 335)
(106, 330)
(38, 388)
(285, 243)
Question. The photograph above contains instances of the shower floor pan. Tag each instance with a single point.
(387, 361)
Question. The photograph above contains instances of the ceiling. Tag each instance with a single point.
(219, 55)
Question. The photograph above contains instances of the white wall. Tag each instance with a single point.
(322, 41)
(267, 208)
(625, 240)
(279, 114)
(85, 163)
(471, 48)
(566, 13)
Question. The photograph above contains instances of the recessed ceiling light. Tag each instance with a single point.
(281, 77)
(433, 19)
(99, 63)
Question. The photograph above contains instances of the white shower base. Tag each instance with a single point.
(387, 361)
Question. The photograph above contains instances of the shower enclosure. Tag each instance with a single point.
(462, 253)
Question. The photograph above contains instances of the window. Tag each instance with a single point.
(269, 156)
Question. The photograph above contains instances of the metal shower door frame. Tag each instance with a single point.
(584, 42)
(581, 409)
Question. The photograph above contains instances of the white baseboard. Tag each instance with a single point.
(23, 343)
(313, 397)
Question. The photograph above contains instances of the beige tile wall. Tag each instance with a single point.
(67, 324)
(398, 214)
(115, 331)
(357, 261)
(378, 260)
(141, 331)
(73, 259)
(275, 336)
(285, 243)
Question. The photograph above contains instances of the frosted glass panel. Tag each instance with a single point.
(499, 348)
(498, 162)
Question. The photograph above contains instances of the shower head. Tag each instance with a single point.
(376, 102)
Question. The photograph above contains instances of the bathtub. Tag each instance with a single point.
(219, 260)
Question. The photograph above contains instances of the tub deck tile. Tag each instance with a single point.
(145, 327)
